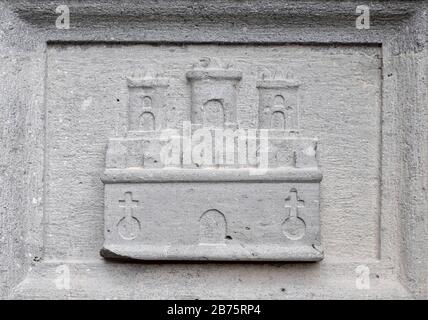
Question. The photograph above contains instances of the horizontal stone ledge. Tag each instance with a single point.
(275, 84)
(147, 83)
(140, 175)
(213, 252)
(337, 281)
(129, 10)
(214, 74)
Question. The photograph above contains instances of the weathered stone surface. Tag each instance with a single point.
(361, 93)
(186, 221)
(342, 161)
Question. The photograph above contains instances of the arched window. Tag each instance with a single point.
(278, 120)
(213, 114)
(147, 103)
(279, 101)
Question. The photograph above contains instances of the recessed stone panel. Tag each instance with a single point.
(92, 135)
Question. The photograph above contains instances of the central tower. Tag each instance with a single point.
(214, 95)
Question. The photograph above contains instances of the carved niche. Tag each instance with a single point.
(267, 210)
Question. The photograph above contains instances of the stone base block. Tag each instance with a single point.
(169, 217)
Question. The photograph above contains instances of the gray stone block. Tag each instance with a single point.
(350, 136)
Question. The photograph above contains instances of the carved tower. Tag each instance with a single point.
(278, 105)
(214, 95)
(147, 104)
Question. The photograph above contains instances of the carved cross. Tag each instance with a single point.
(128, 204)
(294, 203)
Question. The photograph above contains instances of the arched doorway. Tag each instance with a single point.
(212, 227)
(213, 114)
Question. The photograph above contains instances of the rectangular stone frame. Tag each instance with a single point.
(399, 27)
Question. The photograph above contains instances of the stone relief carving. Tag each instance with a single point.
(277, 216)
(294, 227)
(128, 227)
(278, 109)
(213, 108)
